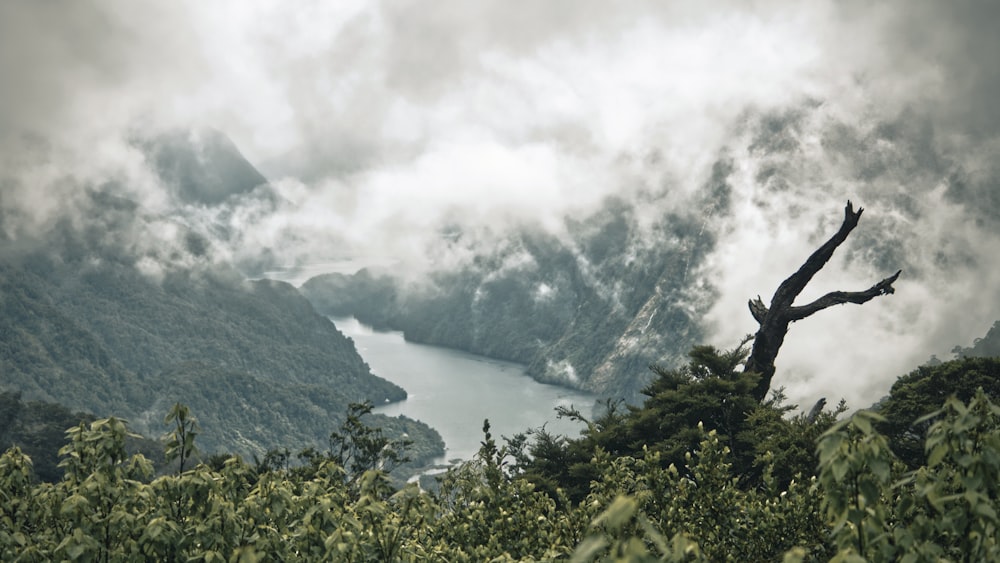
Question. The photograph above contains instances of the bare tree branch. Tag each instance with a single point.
(883, 287)
(774, 320)
(817, 408)
(793, 286)
(758, 309)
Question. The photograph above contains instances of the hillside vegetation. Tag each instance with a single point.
(92, 322)
(849, 497)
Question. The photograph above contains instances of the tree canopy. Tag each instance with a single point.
(708, 394)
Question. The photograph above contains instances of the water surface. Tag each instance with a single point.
(454, 391)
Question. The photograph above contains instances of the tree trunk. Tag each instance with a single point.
(774, 320)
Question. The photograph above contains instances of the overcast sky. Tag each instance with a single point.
(382, 121)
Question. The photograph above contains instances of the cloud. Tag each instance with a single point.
(382, 125)
(793, 173)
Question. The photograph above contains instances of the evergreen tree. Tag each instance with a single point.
(710, 393)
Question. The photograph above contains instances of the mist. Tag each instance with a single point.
(382, 126)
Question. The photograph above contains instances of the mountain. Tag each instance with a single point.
(49, 356)
(253, 358)
(115, 310)
(986, 347)
(590, 309)
(200, 166)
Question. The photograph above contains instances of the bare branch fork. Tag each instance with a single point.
(774, 320)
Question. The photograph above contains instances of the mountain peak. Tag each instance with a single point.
(200, 166)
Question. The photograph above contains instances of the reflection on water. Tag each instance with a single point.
(454, 391)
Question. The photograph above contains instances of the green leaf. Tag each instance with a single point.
(984, 510)
(937, 455)
(588, 549)
(870, 492)
(840, 468)
(880, 468)
(862, 423)
(794, 555)
(618, 514)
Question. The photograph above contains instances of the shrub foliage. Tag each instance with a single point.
(861, 504)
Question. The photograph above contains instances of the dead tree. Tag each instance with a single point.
(774, 321)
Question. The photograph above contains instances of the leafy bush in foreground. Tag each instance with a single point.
(863, 506)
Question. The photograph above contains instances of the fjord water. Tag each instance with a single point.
(454, 391)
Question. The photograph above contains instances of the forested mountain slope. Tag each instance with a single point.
(118, 310)
(986, 347)
(264, 328)
(254, 356)
(47, 355)
(590, 310)
(38, 428)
